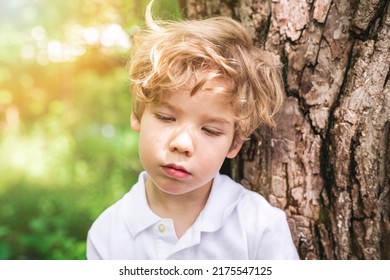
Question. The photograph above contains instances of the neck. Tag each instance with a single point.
(183, 209)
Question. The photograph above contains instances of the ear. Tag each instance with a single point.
(236, 147)
(134, 122)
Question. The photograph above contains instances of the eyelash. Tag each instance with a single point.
(208, 131)
(211, 132)
(165, 118)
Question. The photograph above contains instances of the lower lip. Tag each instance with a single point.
(176, 173)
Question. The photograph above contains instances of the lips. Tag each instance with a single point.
(176, 171)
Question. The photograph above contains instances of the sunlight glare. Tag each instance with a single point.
(55, 51)
(91, 35)
(113, 35)
(38, 33)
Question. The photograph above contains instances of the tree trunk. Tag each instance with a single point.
(327, 164)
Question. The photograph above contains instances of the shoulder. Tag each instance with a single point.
(258, 215)
(246, 200)
(104, 220)
(257, 204)
(121, 210)
(99, 234)
(110, 224)
(253, 210)
(103, 224)
(265, 226)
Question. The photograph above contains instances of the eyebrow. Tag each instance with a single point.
(171, 107)
(218, 120)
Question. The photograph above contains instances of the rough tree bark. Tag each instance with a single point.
(328, 162)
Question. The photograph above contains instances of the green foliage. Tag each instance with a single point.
(45, 224)
(66, 148)
(64, 165)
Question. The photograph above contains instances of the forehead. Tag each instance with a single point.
(182, 100)
(203, 88)
(206, 103)
(207, 88)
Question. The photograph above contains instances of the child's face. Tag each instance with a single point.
(185, 139)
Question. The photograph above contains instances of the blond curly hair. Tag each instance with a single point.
(167, 55)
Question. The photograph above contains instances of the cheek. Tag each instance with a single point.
(214, 154)
(151, 138)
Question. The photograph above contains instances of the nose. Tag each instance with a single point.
(182, 142)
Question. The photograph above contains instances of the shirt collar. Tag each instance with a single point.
(222, 201)
(144, 217)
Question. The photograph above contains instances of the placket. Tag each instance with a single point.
(165, 238)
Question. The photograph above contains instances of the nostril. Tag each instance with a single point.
(182, 144)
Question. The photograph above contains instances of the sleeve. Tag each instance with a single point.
(98, 240)
(92, 252)
(276, 242)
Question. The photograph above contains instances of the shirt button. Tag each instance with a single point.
(161, 228)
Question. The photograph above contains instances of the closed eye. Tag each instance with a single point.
(164, 117)
(211, 131)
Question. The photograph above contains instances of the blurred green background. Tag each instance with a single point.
(66, 148)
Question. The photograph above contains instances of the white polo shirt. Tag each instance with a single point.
(235, 224)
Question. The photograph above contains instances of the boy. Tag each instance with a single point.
(199, 89)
